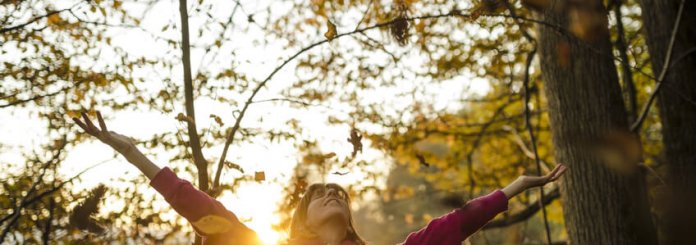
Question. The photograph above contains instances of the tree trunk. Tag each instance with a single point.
(677, 110)
(600, 205)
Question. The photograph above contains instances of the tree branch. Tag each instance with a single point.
(665, 67)
(35, 19)
(17, 102)
(525, 214)
(235, 128)
(198, 158)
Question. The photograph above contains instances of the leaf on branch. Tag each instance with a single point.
(354, 139)
(183, 118)
(331, 32)
(82, 215)
(260, 176)
(234, 166)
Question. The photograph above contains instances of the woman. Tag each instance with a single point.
(323, 215)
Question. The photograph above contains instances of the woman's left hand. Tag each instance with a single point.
(534, 181)
(525, 182)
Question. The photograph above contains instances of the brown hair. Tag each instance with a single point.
(298, 226)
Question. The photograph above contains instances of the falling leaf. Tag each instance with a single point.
(354, 139)
(421, 160)
(82, 215)
(331, 32)
(400, 26)
(588, 23)
(619, 151)
(217, 119)
(260, 176)
(234, 166)
(339, 173)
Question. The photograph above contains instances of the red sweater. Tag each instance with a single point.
(218, 225)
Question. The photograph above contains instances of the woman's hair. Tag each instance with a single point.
(298, 225)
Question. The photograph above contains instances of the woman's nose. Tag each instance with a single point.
(331, 192)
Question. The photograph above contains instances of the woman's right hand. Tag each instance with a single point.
(120, 143)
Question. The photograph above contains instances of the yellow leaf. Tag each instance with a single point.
(331, 32)
(54, 19)
(260, 176)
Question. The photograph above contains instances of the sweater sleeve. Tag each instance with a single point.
(456, 226)
(208, 216)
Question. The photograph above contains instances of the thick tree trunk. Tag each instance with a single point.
(600, 206)
(677, 110)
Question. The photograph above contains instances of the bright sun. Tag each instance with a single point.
(258, 209)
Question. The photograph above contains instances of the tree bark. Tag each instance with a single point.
(600, 206)
(677, 111)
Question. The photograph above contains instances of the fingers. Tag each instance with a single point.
(554, 171)
(102, 125)
(560, 173)
(82, 125)
(89, 123)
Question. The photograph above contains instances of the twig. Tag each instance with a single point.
(665, 67)
(17, 102)
(235, 128)
(364, 14)
(37, 18)
(528, 123)
(525, 214)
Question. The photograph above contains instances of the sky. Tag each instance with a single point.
(254, 202)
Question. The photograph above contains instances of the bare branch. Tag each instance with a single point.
(525, 214)
(665, 67)
(37, 18)
(198, 158)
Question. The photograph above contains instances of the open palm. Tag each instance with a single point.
(119, 142)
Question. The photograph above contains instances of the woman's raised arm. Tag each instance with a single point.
(209, 217)
(456, 226)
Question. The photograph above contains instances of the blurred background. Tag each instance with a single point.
(414, 106)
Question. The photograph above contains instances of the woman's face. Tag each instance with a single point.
(328, 204)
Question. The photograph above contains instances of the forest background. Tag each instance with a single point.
(413, 106)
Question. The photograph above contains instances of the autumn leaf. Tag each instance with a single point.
(54, 19)
(400, 26)
(421, 160)
(354, 139)
(217, 119)
(234, 166)
(260, 176)
(620, 151)
(82, 215)
(331, 32)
